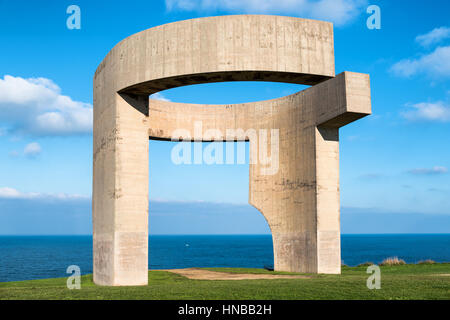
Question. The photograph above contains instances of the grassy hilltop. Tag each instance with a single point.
(411, 281)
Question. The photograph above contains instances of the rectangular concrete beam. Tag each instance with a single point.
(348, 99)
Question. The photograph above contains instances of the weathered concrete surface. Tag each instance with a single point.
(300, 201)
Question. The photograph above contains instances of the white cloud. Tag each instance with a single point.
(338, 11)
(428, 171)
(32, 149)
(158, 96)
(435, 64)
(428, 112)
(434, 36)
(11, 193)
(36, 106)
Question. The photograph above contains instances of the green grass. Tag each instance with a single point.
(397, 282)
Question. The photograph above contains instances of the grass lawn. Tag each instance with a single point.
(397, 282)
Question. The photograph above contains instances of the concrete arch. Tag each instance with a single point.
(300, 199)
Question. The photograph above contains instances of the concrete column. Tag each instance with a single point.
(120, 193)
(328, 201)
(301, 201)
(304, 212)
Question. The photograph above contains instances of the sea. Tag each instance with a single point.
(40, 257)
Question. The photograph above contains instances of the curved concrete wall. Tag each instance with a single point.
(224, 48)
(300, 199)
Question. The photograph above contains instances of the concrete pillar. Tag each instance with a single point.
(301, 201)
(120, 194)
(303, 212)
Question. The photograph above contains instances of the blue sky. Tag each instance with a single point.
(394, 164)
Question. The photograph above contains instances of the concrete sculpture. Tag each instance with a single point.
(300, 201)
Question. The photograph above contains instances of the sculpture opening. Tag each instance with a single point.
(218, 93)
(198, 213)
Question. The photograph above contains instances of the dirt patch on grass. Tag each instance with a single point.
(200, 274)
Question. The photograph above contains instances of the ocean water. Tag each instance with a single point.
(39, 257)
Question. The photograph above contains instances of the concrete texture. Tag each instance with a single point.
(300, 201)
